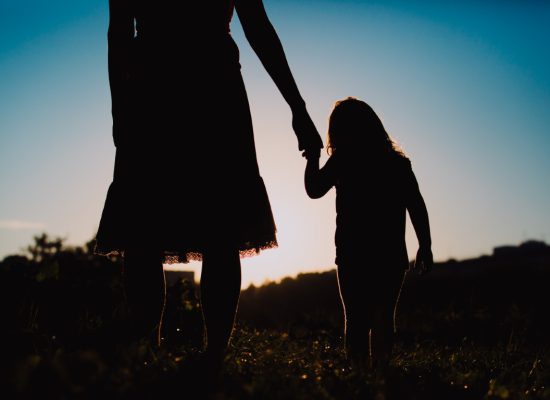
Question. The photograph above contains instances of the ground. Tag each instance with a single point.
(271, 364)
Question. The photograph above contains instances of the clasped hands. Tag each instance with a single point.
(309, 140)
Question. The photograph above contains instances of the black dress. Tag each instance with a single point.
(186, 177)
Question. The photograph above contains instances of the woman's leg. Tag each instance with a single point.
(220, 289)
(145, 291)
(357, 311)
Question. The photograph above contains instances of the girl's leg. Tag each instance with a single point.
(384, 320)
(357, 311)
(145, 288)
(220, 289)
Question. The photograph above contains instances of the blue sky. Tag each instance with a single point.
(464, 88)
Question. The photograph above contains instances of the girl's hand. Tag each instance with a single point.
(309, 139)
(424, 260)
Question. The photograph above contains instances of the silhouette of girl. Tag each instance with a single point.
(186, 182)
(375, 186)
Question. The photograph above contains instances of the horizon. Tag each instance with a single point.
(463, 88)
(248, 283)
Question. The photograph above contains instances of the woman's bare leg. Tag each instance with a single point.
(220, 290)
(145, 291)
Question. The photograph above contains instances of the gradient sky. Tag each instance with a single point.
(464, 88)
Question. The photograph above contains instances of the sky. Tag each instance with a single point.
(463, 87)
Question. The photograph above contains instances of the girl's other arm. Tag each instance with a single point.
(119, 38)
(419, 218)
(318, 181)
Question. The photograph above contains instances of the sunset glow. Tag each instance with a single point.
(464, 88)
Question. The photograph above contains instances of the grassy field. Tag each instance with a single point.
(272, 364)
(475, 329)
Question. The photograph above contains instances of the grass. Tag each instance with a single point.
(482, 338)
(270, 364)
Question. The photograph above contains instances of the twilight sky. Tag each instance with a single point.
(464, 88)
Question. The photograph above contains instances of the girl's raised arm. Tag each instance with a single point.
(319, 181)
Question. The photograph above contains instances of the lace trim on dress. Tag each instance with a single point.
(249, 249)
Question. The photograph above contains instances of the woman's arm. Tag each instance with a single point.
(266, 44)
(318, 181)
(119, 38)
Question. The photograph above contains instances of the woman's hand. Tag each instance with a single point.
(424, 260)
(309, 139)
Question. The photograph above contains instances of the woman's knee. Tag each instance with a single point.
(142, 254)
(223, 256)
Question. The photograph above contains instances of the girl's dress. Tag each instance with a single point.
(186, 177)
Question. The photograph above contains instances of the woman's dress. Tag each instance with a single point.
(186, 177)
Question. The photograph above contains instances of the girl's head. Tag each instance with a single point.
(353, 125)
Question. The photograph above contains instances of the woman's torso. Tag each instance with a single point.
(178, 40)
(184, 62)
(182, 20)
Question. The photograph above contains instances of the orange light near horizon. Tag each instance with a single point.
(289, 259)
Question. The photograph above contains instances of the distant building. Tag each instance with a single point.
(173, 276)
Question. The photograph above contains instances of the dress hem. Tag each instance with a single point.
(184, 257)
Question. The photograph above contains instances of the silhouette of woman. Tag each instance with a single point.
(375, 186)
(186, 183)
